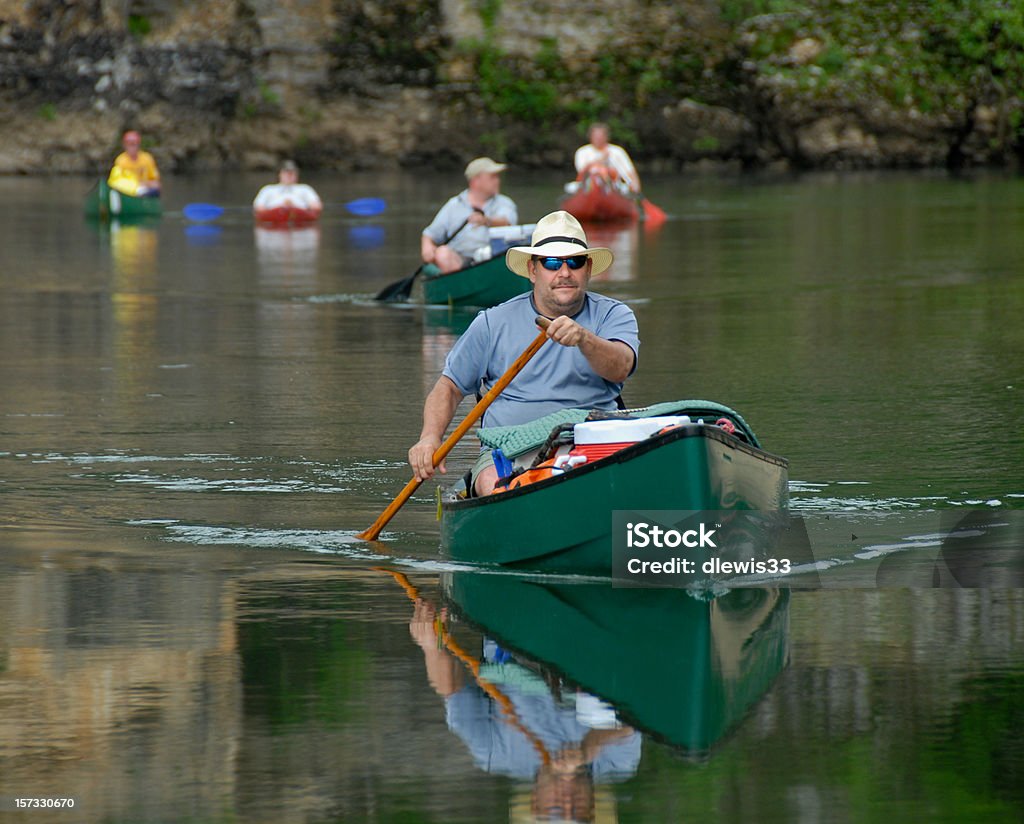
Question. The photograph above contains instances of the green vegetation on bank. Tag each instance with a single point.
(556, 86)
(808, 83)
(933, 56)
(954, 60)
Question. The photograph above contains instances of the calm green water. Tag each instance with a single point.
(194, 425)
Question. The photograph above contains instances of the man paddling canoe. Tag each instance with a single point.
(134, 171)
(460, 226)
(597, 339)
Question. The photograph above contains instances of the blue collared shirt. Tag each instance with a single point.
(450, 216)
(558, 377)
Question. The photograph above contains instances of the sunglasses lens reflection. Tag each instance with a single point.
(553, 264)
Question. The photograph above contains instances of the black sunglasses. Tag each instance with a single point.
(553, 264)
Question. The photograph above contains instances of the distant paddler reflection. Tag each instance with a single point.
(622, 240)
(135, 299)
(134, 248)
(286, 253)
(683, 669)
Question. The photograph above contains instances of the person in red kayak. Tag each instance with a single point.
(605, 159)
(134, 172)
(288, 193)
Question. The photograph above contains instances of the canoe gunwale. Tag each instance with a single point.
(442, 275)
(481, 284)
(692, 430)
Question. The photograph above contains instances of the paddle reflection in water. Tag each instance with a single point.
(565, 674)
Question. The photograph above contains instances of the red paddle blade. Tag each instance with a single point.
(653, 214)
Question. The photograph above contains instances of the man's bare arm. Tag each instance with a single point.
(438, 411)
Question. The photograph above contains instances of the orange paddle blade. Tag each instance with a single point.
(654, 215)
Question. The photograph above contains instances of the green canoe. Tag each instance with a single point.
(104, 203)
(684, 670)
(482, 284)
(564, 523)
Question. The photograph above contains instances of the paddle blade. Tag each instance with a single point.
(399, 290)
(366, 206)
(202, 212)
(653, 214)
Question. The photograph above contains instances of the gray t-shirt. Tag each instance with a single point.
(558, 377)
(471, 238)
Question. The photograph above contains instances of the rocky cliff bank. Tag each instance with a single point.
(375, 83)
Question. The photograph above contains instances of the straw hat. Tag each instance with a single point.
(558, 234)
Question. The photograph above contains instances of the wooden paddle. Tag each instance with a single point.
(400, 289)
(474, 415)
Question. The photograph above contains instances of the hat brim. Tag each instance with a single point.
(518, 257)
(496, 169)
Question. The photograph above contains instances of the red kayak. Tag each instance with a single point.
(598, 202)
(286, 215)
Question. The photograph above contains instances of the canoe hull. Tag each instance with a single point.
(564, 524)
(483, 284)
(593, 203)
(104, 203)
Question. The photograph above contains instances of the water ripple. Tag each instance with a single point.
(236, 474)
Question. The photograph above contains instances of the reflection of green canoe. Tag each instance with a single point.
(482, 284)
(685, 670)
(104, 203)
(564, 523)
(453, 320)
